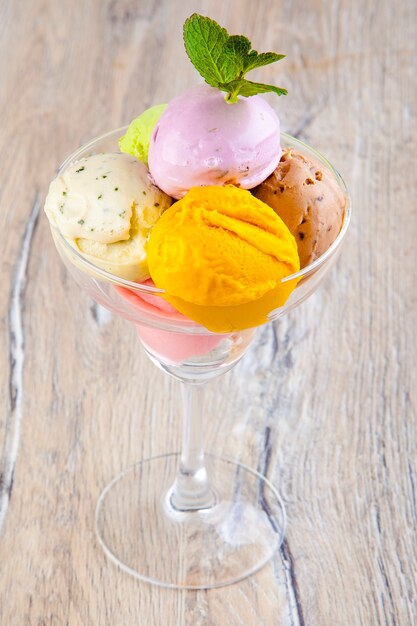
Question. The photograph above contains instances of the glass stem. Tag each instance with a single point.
(192, 490)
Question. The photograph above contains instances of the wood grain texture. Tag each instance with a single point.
(325, 400)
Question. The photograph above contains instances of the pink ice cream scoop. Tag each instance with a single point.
(171, 346)
(202, 140)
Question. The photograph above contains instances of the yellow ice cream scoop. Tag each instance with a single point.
(220, 255)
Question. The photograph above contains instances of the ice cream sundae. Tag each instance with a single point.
(202, 200)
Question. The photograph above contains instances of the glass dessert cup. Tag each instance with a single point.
(188, 520)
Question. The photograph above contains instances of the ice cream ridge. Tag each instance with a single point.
(202, 201)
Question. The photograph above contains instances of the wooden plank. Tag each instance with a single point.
(324, 401)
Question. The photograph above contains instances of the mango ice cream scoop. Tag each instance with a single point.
(220, 255)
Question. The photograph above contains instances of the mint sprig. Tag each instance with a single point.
(223, 59)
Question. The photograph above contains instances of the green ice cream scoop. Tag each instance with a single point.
(138, 135)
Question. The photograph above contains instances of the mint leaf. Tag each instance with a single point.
(237, 48)
(204, 41)
(223, 59)
(247, 88)
(254, 59)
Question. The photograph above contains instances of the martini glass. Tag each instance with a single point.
(187, 519)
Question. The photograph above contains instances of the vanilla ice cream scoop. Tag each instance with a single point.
(200, 139)
(105, 205)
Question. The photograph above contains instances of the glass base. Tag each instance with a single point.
(145, 536)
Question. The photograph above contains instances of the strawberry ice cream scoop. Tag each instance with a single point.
(202, 140)
(170, 346)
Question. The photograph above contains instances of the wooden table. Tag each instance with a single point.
(327, 395)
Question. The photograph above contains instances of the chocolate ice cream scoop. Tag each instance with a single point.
(307, 198)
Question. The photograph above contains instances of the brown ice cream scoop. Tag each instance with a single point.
(307, 198)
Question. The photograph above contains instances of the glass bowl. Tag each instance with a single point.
(185, 519)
